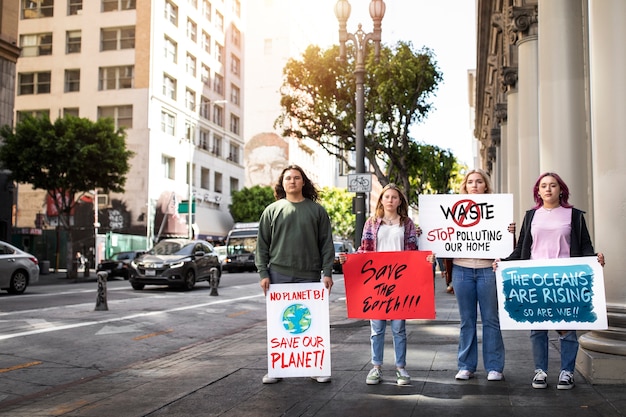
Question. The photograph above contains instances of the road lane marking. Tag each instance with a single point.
(147, 336)
(21, 366)
(132, 316)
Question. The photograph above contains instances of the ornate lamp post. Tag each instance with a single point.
(360, 40)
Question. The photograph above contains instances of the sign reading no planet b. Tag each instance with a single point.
(389, 285)
(552, 294)
(466, 225)
(298, 330)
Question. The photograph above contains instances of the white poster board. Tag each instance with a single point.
(466, 225)
(298, 330)
(552, 294)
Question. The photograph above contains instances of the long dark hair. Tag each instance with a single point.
(308, 190)
(563, 197)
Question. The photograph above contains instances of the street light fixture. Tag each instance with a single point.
(360, 40)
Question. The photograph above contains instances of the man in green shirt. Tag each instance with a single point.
(295, 240)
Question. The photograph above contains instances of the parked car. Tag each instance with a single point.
(18, 269)
(176, 263)
(118, 265)
(341, 248)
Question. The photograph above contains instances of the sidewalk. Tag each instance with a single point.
(223, 378)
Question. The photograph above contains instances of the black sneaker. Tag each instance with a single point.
(566, 380)
(540, 380)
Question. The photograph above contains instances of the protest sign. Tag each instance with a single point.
(389, 285)
(557, 294)
(466, 225)
(298, 330)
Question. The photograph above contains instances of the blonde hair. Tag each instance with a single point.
(403, 208)
(488, 186)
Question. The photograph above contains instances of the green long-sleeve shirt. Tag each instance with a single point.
(295, 239)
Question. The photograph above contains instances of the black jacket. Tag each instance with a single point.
(580, 242)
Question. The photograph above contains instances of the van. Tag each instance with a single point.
(241, 247)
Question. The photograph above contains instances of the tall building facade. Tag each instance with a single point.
(171, 73)
(549, 79)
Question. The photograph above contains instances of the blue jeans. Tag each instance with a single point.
(477, 287)
(398, 329)
(569, 349)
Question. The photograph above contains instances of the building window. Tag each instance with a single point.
(190, 132)
(235, 94)
(21, 115)
(73, 40)
(36, 45)
(217, 184)
(236, 37)
(74, 7)
(72, 80)
(203, 139)
(234, 184)
(117, 38)
(205, 75)
(114, 5)
(218, 84)
(234, 124)
(168, 165)
(122, 115)
(206, 9)
(192, 30)
(235, 65)
(218, 115)
(34, 83)
(205, 178)
(171, 12)
(171, 50)
(168, 123)
(206, 42)
(116, 78)
(169, 87)
(36, 9)
(219, 52)
(219, 21)
(233, 153)
(190, 100)
(205, 108)
(216, 149)
(190, 65)
(70, 111)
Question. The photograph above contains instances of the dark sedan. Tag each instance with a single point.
(118, 265)
(177, 263)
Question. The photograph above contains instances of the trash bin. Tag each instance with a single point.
(44, 268)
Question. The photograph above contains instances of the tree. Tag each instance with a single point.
(248, 203)
(338, 204)
(67, 159)
(318, 103)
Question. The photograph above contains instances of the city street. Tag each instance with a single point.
(51, 335)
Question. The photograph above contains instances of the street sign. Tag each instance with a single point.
(183, 207)
(360, 183)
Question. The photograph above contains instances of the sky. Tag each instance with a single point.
(447, 27)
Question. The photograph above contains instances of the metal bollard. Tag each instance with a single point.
(101, 299)
(213, 282)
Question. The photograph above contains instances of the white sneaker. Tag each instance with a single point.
(464, 375)
(270, 380)
(375, 376)
(495, 376)
(321, 379)
(403, 377)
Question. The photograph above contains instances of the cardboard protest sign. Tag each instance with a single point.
(466, 225)
(389, 285)
(298, 330)
(557, 294)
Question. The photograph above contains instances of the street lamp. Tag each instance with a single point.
(360, 40)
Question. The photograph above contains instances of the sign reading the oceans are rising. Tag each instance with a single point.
(558, 294)
(298, 330)
(389, 285)
(466, 225)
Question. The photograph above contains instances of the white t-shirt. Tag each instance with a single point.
(390, 238)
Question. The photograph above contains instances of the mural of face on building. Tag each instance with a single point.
(265, 156)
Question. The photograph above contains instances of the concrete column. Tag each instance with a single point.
(564, 145)
(528, 110)
(512, 158)
(601, 358)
